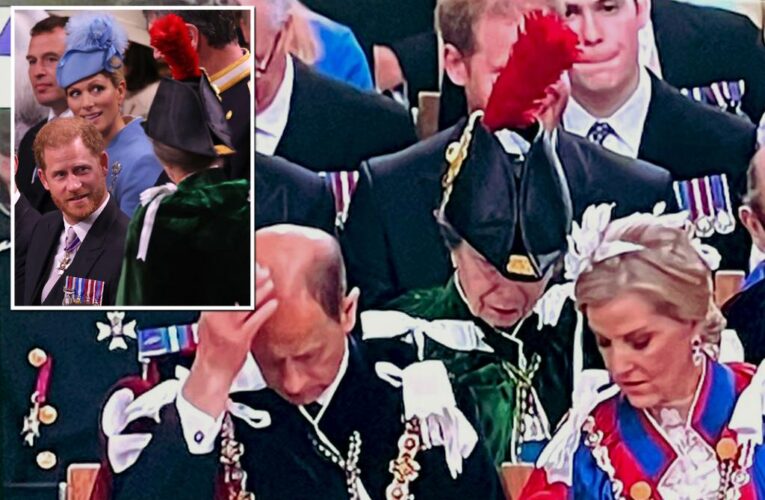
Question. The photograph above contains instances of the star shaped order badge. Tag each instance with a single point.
(31, 429)
(116, 330)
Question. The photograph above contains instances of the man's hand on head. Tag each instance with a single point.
(224, 342)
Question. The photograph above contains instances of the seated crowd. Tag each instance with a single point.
(528, 303)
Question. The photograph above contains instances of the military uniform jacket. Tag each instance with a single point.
(526, 356)
(89, 352)
(391, 241)
(283, 459)
(233, 83)
(199, 250)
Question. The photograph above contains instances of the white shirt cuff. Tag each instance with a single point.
(199, 428)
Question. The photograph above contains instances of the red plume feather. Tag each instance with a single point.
(170, 36)
(544, 50)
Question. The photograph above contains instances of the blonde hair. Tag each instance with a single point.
(116, 76)
(668, 272)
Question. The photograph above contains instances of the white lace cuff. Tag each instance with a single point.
(199, 428)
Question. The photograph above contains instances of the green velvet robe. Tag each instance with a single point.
(199, 251)
(494, 379)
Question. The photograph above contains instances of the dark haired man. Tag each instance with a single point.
(46, 46)
(623, 106)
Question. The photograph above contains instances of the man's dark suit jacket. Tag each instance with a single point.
(26, 219)
(745, 312)
(288, 193)
(702, 45)
(391, 240)
(692, 140)
(26, 178)
(98, 257)
(332, 126)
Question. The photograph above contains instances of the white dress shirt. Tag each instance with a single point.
(512, 142)
(81, 229)
(627, 121)
(200, 429)
(271, 122)
(52, 114)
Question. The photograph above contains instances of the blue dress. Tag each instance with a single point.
(133, 166)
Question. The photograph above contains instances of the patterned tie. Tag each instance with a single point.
(599, 131)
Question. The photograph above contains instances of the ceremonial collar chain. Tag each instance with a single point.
(349, 465)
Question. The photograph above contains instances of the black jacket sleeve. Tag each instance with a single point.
(166, 468)
(26, 219)
(365, 245)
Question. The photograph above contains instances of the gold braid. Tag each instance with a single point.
(456, 153)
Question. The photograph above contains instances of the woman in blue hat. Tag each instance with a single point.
(92, 73)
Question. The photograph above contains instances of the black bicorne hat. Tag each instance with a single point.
(515, 214)
(188, 115)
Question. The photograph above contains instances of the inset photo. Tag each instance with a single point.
(133, 142)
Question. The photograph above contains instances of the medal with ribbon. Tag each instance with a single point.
(39, 412)
(707, 201)
(70, 247)
(154, 342)
(724, 95)
(725, 222)
(83, 291)
(115, 172)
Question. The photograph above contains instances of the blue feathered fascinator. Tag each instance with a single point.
(92, 41)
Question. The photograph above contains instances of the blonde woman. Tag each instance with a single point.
(667, 420)
(91, 72)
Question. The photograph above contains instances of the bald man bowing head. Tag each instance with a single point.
(304, 399)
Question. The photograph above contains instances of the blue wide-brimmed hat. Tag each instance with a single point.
(92, 41)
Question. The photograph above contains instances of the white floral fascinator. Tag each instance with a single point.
(588, 244)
